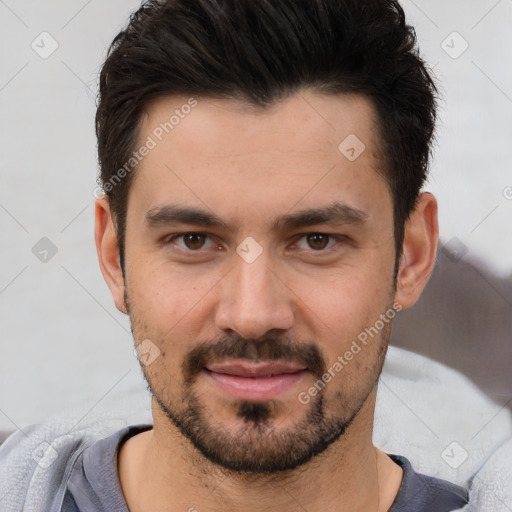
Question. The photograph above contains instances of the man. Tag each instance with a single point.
(262, 164)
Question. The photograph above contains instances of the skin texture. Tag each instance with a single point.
(301, 300)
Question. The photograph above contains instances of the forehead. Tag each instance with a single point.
(306, 121)
(307, 146)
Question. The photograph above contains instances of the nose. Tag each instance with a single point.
(254, 300)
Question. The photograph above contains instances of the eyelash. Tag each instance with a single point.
(169, 239)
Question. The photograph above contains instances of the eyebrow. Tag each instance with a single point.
(172, 214)
(335, 213)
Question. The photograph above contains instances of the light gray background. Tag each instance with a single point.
(62, 340)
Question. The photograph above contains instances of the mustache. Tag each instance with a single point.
(268, 348)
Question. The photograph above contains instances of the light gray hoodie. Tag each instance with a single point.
(425, 411)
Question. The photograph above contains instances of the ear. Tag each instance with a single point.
(108, 252)
(419, 251)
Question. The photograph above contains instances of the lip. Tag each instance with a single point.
(255, 382)
(264, 369)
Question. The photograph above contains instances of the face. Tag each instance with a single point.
(259, 273)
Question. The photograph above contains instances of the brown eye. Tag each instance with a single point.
(190, 241)
(317, 241)
(194, 241)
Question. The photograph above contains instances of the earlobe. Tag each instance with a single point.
(108, 252)
(419, 250)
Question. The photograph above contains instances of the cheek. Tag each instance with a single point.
(163, 293)
(344, 301)
(344, 316)
(171, 304)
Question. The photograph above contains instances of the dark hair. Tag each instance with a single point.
(261, 51)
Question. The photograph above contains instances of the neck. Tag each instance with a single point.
(160, 470)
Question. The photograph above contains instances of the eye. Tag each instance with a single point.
(191, 241)
(316, 241)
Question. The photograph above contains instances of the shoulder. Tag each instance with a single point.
(423, 493)
(36, 461)
(33, 463)
(93, 482)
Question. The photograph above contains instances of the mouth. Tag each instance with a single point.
(256, 382)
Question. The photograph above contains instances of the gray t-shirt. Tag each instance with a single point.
(93, 484)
